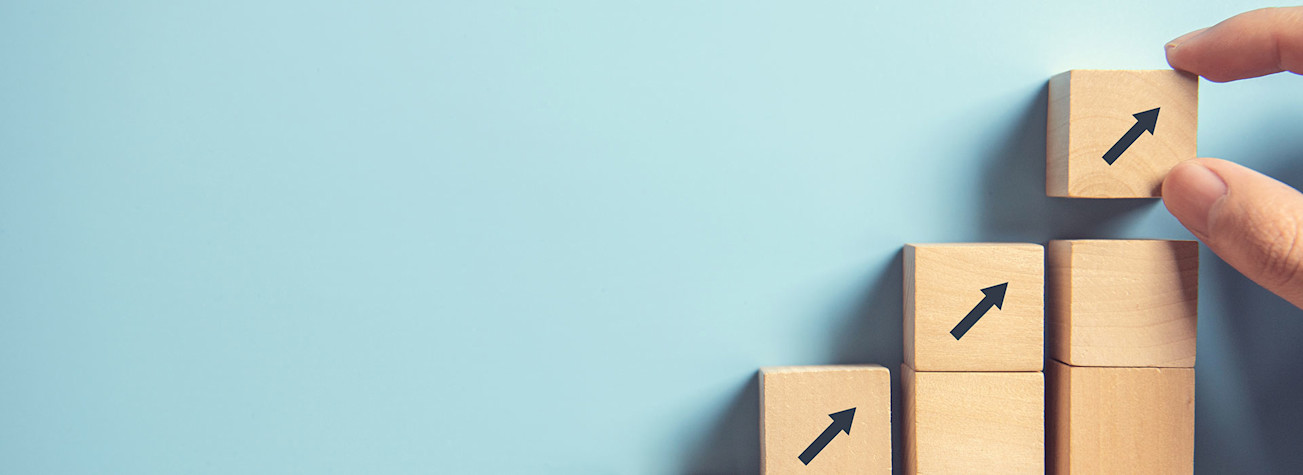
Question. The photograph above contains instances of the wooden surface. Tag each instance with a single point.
(943, 282)
(795, 402)
(973, 422)
(1089, 110)
(1123, 303)
(1120, 420)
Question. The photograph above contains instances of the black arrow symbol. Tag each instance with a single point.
(994, 298)
(1146, 120)
(841, 422)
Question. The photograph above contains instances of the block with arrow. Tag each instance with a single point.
(974, 306)
(825, 419)
(1115, 134)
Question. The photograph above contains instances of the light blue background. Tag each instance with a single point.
(541, 237)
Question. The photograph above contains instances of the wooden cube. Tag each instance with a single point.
(974, 307)
(1115, 134)
(1123, 303)
(1120, 420)
(825, 419)
(974, 422)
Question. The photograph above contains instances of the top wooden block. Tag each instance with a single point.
(1123, 302)
(974, 307)
(1116, 134)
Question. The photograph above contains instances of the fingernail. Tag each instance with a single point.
(1190, 191)
(1181, 39)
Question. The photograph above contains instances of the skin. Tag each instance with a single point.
(1250, 220)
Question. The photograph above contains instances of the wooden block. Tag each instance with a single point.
(974, 422)
(1120, 420)
(944, 283)
(1153, 115)
(803, 417)
(1123, 303)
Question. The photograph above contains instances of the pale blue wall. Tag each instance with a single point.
(541, 237)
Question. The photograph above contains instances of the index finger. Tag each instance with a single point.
(1247, 45)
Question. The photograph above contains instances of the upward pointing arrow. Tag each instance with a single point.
(994, 298)
(841, 422)
(1145, 121)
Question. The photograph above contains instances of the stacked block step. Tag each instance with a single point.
(1116, 394)
(1122, 325)
(1122, 314)
(972, 383)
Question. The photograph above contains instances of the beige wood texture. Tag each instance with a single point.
(943, 282)
(1120, 420)
(795, 402)
(1123, 303)
(1089, 110)
(973, 423)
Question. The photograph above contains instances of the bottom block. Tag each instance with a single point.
(825, 419)
(1120, 420)
(974, 422)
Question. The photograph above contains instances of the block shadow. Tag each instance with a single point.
(733, 444)
(1261, 331)
(870, 331)
(1013, 205)
(873, 331)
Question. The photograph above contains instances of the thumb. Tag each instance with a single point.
(1250, 220)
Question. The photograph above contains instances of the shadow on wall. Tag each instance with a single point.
(733, 444)
(1013, 205)
(874, 332)
(1261, 333)
(870, 332)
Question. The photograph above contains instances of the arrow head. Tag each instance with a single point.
(995, 293)
(842, 420)
(1148, 120)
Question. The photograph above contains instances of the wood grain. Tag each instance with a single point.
(1120, 420)
(974, 422)
(1089, 110)
(1123, 302)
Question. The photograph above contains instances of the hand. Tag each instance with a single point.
(1252, 221)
